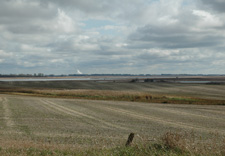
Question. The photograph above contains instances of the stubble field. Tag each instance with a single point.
(95, 118)
(71, 124)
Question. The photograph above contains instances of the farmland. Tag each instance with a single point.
(46, 120)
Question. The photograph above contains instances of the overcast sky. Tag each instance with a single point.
(112, 36)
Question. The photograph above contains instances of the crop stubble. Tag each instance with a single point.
(102, 120)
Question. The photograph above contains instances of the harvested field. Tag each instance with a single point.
(95, 118)
(205, 91)
(71, 123)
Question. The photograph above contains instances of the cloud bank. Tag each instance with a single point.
(98, 36)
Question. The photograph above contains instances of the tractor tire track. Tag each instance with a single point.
(172, 123)
(7, 114)
(212, 111)
(181, 112)
(79, 114)
(175, 112)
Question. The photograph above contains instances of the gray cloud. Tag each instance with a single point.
(99, 8)
(131, 36)
(187, 29)
(168, 37)
(217, 5)
(12, 11)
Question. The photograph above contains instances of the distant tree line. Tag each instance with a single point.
(64, 75)
(23, 75)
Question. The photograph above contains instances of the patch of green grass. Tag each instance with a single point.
(137, 150)
(25, 129)
(182, 99)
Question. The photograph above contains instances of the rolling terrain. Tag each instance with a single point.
(205, 91)
(72, 123)
(96, 117)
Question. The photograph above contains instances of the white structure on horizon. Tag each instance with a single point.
(79, 72)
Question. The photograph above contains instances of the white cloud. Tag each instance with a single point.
(207, 19)
(121, 45)
(64, 23)
(57, 61)
(128, 36)
(5, 54)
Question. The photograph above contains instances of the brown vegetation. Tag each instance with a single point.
(66, 125)
(136, 96)
(193, 144)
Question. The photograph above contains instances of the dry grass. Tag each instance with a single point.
(172, 144)
(195, 145)
(137, 96)
(53, 128)
(202, 91)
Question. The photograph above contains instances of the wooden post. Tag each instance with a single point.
(130, 139)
